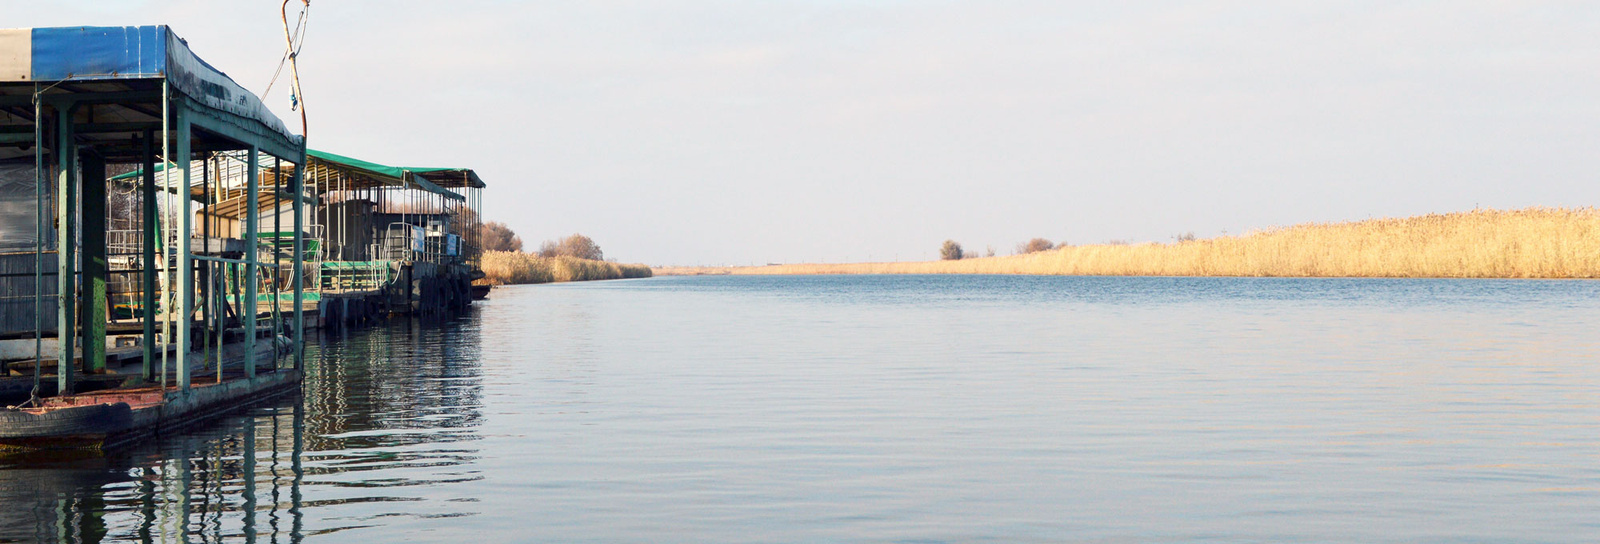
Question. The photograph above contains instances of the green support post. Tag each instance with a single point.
(95, 265)
(66, 238)
(248, 307)
(299, 262)
(185, 269)
(150, 235)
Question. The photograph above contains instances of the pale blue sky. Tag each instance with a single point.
(752, 132)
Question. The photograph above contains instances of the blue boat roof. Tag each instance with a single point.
(100, 53)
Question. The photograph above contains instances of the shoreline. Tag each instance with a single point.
(1529, 243)
(694, 271)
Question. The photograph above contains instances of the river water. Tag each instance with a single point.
(897, 409)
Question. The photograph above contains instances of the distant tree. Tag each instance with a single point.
(496, 236)
(989, 252)
(950, 251)
(577, 245)
(1036, 245)
(1185, 237)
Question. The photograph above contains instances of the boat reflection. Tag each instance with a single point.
(377, 404)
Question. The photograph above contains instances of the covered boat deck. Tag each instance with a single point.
(83, 250)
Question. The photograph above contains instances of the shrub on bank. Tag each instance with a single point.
(576, 246)
(951, 251)
(515, 267)
(1034, 246)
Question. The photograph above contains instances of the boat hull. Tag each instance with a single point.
(88, 422)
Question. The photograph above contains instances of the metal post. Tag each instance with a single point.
(205, 268)
(151, 234)
(66, 239)
(165, 225)
(248, 306)
(39, 222)
(217, 271)
(95, 265)
(299, 262)
(185, 260)
(277, 256)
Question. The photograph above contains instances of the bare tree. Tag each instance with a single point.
(1036, 245)
(577, 245)
(496, 236)
(950, 251)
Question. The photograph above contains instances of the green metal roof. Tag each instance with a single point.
(358, 164)
(423, 178)
(407, 175)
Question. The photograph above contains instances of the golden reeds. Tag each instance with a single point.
(514, 267)
(1527, 243)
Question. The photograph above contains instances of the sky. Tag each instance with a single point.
(753, 132)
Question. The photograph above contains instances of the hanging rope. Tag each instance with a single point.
(296, 41)
(297, 98)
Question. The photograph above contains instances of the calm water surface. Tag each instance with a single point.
(898, 409)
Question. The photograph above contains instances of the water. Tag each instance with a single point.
(899, 409)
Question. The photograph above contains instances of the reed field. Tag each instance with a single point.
(1485, 243)
(515, 267)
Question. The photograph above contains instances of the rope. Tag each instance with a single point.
(298, 41)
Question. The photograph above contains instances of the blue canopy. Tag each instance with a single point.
(88, 53)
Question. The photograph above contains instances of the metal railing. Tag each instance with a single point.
(399, 242)
(345, 276)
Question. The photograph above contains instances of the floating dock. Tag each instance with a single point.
(109, 269)
(392, 240)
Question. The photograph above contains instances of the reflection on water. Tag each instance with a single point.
(898, 409)
(386, 422)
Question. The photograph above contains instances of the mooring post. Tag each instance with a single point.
(299, 260)
(185, 260)
(248, 306)
(150, 236)
(66, 239)
(94, 263)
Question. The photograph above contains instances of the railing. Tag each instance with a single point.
(124, 242)
(343, 276)
(399, 242)
(283, 241)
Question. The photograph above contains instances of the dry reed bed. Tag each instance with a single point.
(515, 267)
(1527, 243)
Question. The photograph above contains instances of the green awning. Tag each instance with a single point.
(406, 175)
(421, 178)
(370, 168)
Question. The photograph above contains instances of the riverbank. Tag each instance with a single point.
(1526, 243)
(515, 267)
